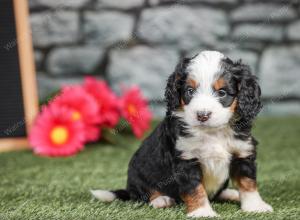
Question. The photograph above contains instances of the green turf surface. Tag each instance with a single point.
(32, 187)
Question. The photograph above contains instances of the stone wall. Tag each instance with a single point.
(140, 41)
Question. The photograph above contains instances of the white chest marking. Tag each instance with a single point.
(214, 150)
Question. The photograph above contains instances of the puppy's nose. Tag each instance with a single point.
(203, 116)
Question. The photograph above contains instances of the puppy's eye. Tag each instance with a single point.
(221, 93)
(190, 91)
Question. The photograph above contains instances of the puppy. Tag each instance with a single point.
(204, 141)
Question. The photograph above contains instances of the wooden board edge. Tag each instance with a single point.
(9, 144)
(27, 75)
(26, 58)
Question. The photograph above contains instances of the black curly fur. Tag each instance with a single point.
(174, 85)
(249, 95)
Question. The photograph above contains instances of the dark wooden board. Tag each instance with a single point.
(12, 115)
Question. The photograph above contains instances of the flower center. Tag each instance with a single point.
(59, 135)
(76, 116)
(131, 109)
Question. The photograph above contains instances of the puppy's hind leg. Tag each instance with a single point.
(157, 200)
(229, 195)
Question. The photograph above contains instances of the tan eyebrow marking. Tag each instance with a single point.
(192, 83)
(220, 83)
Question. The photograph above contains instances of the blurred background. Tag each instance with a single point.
(140, 41)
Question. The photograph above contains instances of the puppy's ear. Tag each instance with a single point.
(249, 100)
(174, 84)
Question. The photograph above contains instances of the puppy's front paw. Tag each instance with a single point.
(203, 212)
(252, 202)
(259, 206)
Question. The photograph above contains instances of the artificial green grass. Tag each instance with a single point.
(33, 187)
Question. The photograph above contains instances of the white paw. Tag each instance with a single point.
(252, 202)
(230, 194)
(203, 212)
(162, 202)
(260, 206)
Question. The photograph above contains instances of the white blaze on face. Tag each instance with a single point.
(205, 69)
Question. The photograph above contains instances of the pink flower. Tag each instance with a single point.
(55, 133)
(84, 108)
(108, 102)
(134, 108)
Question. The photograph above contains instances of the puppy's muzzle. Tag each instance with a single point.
(203, 116)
